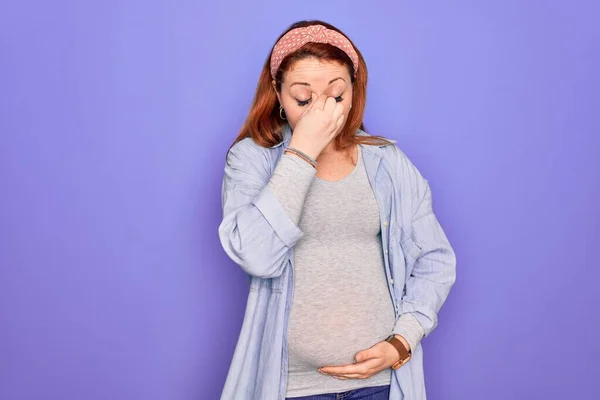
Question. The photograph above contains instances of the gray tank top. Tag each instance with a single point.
(341, 302)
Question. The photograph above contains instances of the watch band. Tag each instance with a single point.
(404, 353)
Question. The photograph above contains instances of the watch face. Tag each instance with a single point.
(400, 363)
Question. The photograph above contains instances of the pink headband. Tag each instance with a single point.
(298, 37)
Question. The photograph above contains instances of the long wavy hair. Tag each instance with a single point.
(263, 123)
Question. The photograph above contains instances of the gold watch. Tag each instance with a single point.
(405, 354)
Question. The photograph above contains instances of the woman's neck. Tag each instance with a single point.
(330, 155)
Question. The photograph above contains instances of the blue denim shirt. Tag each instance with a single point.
(257, 234)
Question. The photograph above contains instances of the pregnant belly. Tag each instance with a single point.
(329, 328)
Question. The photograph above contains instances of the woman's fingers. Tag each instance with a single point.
(340, 120)
(331, 109)
(337, 111)
(338, 124)
(329, 106)
(313, 98)
(320, 102)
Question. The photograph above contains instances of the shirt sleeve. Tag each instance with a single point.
(432, 263)
(256, 230)
(410, 329)
(290, 183)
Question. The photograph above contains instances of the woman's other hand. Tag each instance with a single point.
(369, 362)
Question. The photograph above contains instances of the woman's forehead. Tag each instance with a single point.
(312, 71)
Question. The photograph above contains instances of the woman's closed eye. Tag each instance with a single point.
(303, 103)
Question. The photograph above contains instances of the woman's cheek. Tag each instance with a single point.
(297, 113)
(347, 107)
(293, 116)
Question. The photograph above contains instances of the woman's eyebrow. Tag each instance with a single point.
(308, 84)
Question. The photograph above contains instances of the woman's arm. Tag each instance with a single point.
(434, 271)
(434, 261)
(260, 214)
(409, 328)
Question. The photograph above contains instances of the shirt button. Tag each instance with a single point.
(385, 251)
(385, 223)
(392, 281)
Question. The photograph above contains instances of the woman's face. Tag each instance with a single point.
(309, 78)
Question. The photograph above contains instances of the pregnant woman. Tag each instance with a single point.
(347, 262)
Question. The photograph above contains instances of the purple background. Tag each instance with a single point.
(115, 118)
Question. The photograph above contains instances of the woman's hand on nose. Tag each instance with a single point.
(318, 125)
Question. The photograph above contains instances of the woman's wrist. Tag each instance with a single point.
(303, 147)
(404, 342)
(303, 156)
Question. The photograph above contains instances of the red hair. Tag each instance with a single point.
(264, 124)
